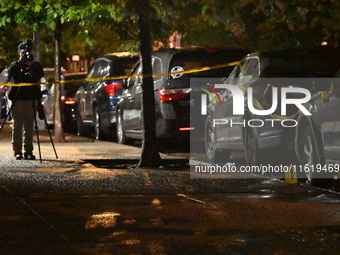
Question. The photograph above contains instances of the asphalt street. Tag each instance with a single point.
(93, 200)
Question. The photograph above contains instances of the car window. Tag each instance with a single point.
(4, 76)
(135, 69)
(234, 76)
(104, 68)
(94, 70)
(250, 71)
(134, 80)
(72, 87)
(129, 63)
(123, 66)
(157, 68)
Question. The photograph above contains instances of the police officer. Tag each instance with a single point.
(25, 100)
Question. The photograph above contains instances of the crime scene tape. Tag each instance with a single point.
(195, 70)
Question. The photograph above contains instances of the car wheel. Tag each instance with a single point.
(82, 130)
(121, 137)
(310, 157)
(98, 130)
(252, 150)
(214, 154)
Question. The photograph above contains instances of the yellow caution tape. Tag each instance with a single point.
(291, 176)
(196, 70)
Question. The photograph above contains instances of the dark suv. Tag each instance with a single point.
(97, 98)
(172, 90)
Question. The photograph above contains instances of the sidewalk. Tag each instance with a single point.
(74, 148)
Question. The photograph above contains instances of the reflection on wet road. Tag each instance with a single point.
(93, 200)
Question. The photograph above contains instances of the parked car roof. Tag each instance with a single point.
(126, 62)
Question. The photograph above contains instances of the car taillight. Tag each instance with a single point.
(111, 87)
(173, 94)
(68, 100)
(186, 128)
(211, 50)
(4, 89)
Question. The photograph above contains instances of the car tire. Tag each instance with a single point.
(121, 136)
(309, 155)
(253, 153)
(82, 130)
(214, 155)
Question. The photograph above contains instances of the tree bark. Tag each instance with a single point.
(37, 40)
(58, 125)
(150, 156)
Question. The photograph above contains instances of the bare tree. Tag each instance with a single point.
(150, 156)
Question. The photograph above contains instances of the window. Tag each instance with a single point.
(157, 68)
(105, 68)
(234, 77)
(94, 71)
(134, 80)
(250, 71)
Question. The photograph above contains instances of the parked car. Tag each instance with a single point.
(97, 98)
(68, 101)
(172, 90)
(313, 62)
(3, 93)
(317, 143)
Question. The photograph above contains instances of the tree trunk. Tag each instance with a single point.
(58, 125)
(37, 40)
(150, 156)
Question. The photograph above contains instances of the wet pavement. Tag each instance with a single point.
(92, 200)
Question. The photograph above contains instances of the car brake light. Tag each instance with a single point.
(111, 87)
(68, 100)
(4, 89)
(186, 128)
(173, 94)
(211, 50)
